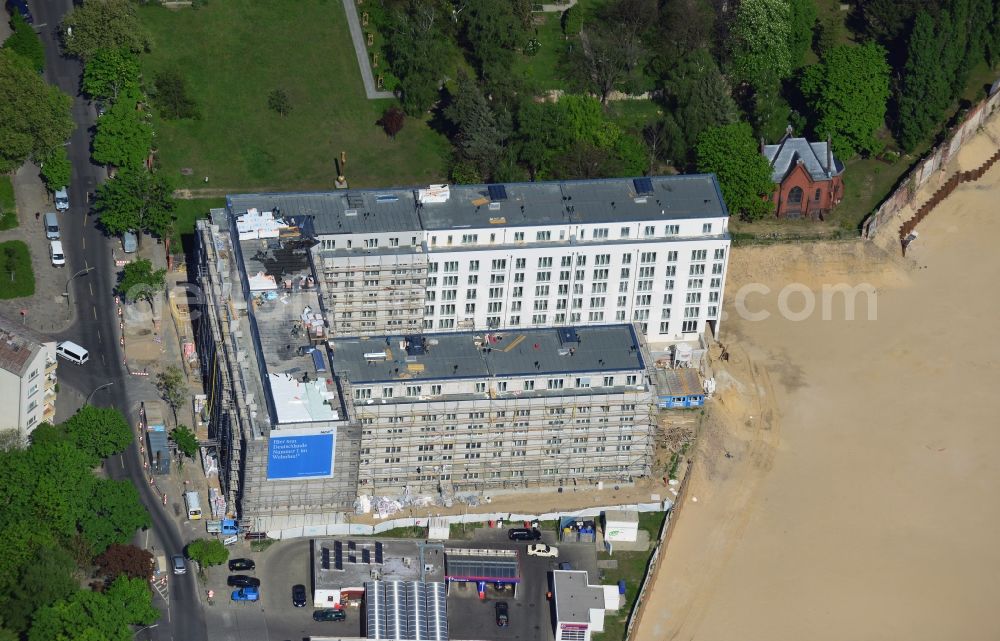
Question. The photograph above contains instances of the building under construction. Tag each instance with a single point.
(333, 366)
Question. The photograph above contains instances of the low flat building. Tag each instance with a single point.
(397, 610)
(342, 566)
(579, 606)
(27, 378)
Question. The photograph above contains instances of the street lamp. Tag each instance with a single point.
(98, 389)
(70, 280)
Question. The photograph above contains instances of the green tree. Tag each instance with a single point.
(185, 439)
(802, 19)
(98, 431)
(925, 91)
(759, 41)
(492, 33)
(136, 200)
(24, 41)
(115, 513)
(132, 597)
(418, 47)
(731, 153)
(543, 132)
(103, 24)
(97, 616)
(124, 134)
(34, 117)
(207, 552)
(771, 113)
(584, 160)
(482, 134)
(698, 96)
(139, 281)
(571, 21)
(173, 97)
(278, 102)
(56, 168)
(45, 579)
(847, 93)
(172, 386)
(110, 72)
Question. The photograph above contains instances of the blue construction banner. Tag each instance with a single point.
(303, 456)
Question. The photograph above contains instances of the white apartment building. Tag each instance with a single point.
(652, 251)
(27, 377)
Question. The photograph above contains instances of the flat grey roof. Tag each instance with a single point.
(575, 597)
(342, 212)
(545, 351)
(577, 201)
(389, 560)
(509, 205)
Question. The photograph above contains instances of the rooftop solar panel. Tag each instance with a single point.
(497, 193)
(366, 556)
(378, 552)
(643, 186)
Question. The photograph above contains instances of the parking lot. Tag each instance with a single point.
(285, 563)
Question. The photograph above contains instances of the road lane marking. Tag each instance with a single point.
(95, 312)
(103, 362)
(91, 285)
(99, 339)
(85, 264)
(83, 239)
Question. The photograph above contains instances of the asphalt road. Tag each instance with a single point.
(95, 328)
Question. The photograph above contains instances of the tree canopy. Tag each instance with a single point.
(24, 41)
(114, 514)
(207, 552)
(847, 93)
(173, 97)
(98, 431)
(140, 281)
(172, 387)
(185, 439)
(136, 200)
(90, 615)
(417, 46)
(109, 72)
(103, 24)
(56, 168)
(124, 134)
(731, 153)
(759, 47)
(34, 116)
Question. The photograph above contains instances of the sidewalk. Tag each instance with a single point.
(47, 311)
(361, 51)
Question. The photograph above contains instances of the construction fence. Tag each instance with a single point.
(935, 161)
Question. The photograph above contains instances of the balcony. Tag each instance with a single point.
(49, 413)
(50, 366)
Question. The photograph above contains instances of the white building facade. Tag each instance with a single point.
(27, 378)
(652, 251)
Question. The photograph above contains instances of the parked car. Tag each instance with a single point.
(543, 550)
(178, 564)
(329, 614)
(51, 223)
(565, 566)
(62, 199)
(299, 596)
(503, 618)
(246, 594)
(242, 565)
(523, 534)
(130, 242)
(56, 254)
(20, 6)
(243, 581)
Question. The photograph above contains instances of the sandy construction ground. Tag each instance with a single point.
(861, 499)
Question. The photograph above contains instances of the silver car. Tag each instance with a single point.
(178, 563)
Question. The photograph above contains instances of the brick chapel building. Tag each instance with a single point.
(807, 176)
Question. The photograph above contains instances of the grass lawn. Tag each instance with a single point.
(631, 567)
(16, 277)
(187, 212)
(8, 208)
(233, 54)
(540, 71)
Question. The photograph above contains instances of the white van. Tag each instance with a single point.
(72, 352)
(62, 199)
(56, 254)
(51, 222)
(193, 504)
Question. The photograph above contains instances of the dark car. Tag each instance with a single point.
(502, 614)
(242, 565)
(243, 581)
(523, 534)
(329, 614)
(21, 7)
(299, 596)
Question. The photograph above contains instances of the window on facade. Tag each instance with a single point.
(795, 196)
(816, 197)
